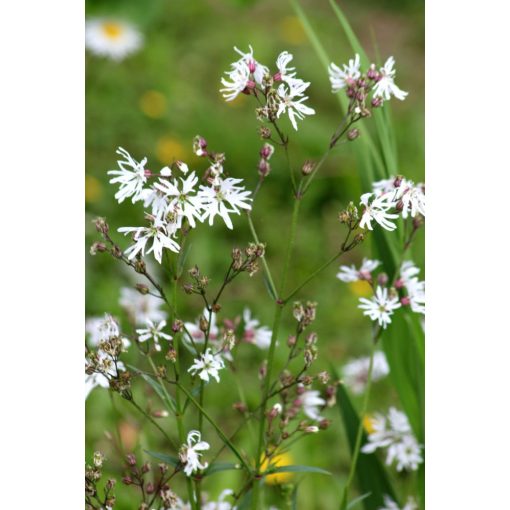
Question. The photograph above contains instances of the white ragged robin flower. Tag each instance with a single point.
(238, 81)
(157, 232)
(208, 365)
(100, 329)
(141, 307)
(410, 198)
(183, 199)
(111, 38)
(389, 504)
(346, 77)
(193, 328)
(131, 176)
(189, 453)
(257, 70)
(380, 307)
(393, 433)
(350, 274)
(376, 209)
(221, 504)
(254, 333)
(385, 85)
(415, 288)
(355, 373)
(312, 401)
(224, 199)
(153, 331)
(96, 379)
(284, 73)
(291, 97)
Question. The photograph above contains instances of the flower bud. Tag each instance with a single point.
(264, 168)
(399, 283)
(291, 341)
(142, 288)
(131, 459)
(101, 225)
(267, 151)
(98, 459)
(97, 247)
(160, 413)
(240, 406)
(352, 134)
(127, 480)
(376, 102)
(323, 377)
(146, 467)
(382, 279)
(264, 132)
(150, 488)
(311, 429)
(171, 355)
(405, 301)
(177, 326)
(200, 146)
(308, 167)
(324, 424)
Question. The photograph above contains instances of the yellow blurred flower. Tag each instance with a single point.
(93, 189)
(153, 104)
(282, 459)
(128, 435)
(361, 288)
(292, 30)
(169, 149)
(368, 424)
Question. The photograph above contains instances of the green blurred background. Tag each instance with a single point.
(153, 103)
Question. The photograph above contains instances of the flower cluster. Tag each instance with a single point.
(175, 201)
(356, 371)
(415, 289)
(282, 91)
(93, 475)
(358, 86)
(393, 433)
(389, 504)
(207, 365)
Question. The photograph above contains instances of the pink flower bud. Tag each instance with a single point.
(399, 284)
(252, 65)
(405, 301)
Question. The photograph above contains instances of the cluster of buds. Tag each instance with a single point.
(247, 260)
(93, 474)
(311, 351)
(213, 174)
(200, 282)
(304, 314)
(349, 216)
(106, 245)
(265, 155)
(137, 476)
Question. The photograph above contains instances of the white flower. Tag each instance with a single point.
(312, 401)
(154, 332)
(345, 77)
(160, 239)
(189, 453)
(221, 504)
(239, 77)
(380, 307)
(157, 201)
(412, 198)
(207, 366)
(394, 434)
(257, 70)
(217, 199)
(415, 288)
(389, 504)
(385, 86)
(356, 371)
(183, 201)
(131, 177)
(255, 334)
(377, 210)
(291, 101)
(101, 329)
(96, 379)
(285, 73)
(198, 335)
(351, 274)
(111, 38)
(141, 307)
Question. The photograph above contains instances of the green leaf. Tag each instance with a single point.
(216, 467)
(296, 469)
(372, 476)
(163, 395)
(245, 502)
(268, 286)
(169, 459)
(357, 500)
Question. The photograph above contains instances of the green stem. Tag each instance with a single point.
(359, 434)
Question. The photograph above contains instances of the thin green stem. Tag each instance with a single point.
(359, 434)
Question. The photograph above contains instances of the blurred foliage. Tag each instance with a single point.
(154, 102)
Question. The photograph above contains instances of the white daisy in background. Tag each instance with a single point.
(100, 329)
(238, 79)
(207, 366)
(131, 177)
(389, 504)
(355, 373)
(393, 433)
(376, 208)
(141, 307)
(351, 274)
(184, 200)
(112, 38)
(254, 333)
(157, 232)
(341, 78)
(385, 86)
(380, 307)
(224, 199)
(312, 402)
(189, 453)
(153, 331)
(291, 101)
(256, 69)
